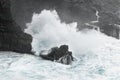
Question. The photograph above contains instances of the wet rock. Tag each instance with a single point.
(61, 55)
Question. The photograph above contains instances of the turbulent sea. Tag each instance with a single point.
(97, 55)
(100, 64)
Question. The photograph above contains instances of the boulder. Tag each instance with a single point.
(61, 55)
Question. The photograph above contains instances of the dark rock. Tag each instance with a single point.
(12, 38)
(111, 30)
(61, 55)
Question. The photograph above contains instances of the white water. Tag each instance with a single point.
(98, 56)
(48, 31)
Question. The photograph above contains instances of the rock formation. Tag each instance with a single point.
(61, 55)
(12, 38)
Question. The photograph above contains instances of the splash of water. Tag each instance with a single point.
(48, 31)
(101, 61)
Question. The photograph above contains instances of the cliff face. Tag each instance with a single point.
(68, 10)
(81, 11)
(12, 37)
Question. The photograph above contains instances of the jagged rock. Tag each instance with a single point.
(61, 55)
(12, 38)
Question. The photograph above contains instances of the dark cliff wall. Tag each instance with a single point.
(12, 37)
(68, 11)
(82, 11)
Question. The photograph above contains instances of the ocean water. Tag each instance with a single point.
(97, 55)
(102, 63)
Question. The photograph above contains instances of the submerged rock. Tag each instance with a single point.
(61, 54)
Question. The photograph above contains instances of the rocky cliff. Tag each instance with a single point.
(81, 11)
(12, 37)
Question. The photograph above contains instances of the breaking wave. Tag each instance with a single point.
(98, 56)
(48, 31)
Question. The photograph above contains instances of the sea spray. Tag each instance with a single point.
(49, 31)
